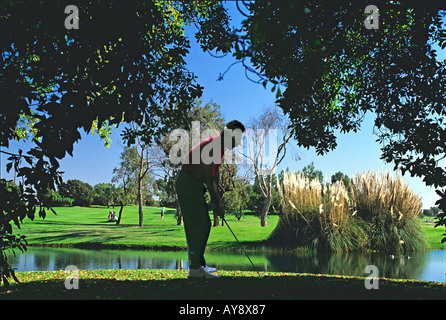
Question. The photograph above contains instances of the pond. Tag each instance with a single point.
(428, 265)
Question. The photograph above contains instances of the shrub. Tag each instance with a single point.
(390, 209)
(375, 213)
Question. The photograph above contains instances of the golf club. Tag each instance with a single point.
(265, 275)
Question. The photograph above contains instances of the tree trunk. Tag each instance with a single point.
(120, 213)
(216, 221)
(179, 215)
(142, 172)
(140, 203)
(267, 194)
(265, 208)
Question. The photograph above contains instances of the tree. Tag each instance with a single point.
(339, 176)
(162, 189)
(237, 199)
(142, 173)
(106, 194)
(133, 175)
(106, 71)
(81, 192)
(54, 199)
(164, 186)
(256, 200)
(264, 130)
(123, 176)
(311, 173)
(329, 70)
(431, 212)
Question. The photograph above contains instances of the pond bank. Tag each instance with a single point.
(106, 246)
(427, 266)
(248, 246)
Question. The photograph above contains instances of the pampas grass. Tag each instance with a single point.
(378, 212)
(389, 207)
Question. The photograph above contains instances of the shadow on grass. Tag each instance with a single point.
(55, 239)
(229, 287)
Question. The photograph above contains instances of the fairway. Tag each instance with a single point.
(88, 227)
(434, 235)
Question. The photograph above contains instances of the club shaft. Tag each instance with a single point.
(224, 220)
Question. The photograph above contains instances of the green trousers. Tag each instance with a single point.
(197, 224)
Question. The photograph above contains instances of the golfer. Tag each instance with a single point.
(199, 171)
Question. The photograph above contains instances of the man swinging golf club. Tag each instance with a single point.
(198, 173)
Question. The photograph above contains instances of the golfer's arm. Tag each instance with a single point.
(211, 184)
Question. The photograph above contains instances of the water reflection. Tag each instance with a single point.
(400, 267)
(428, 265)
(38, 259)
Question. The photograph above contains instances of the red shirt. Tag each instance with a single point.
(199, 146)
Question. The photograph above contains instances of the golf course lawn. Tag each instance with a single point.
(88, 227)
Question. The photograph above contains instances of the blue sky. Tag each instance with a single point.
(239, 99)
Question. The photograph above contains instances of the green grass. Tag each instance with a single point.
(173, 284)
(433, 235)
(88, 227)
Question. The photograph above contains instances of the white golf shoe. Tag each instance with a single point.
(201, 273)
(210, 269)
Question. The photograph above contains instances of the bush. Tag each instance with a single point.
(390, 209)
(378, 214)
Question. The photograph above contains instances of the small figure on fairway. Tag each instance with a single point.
(198, 173)
(112, 216)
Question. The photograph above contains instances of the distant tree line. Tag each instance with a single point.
(245, 196)
(75, 192)
(431, 212)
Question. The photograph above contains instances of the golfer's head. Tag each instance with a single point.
(232, 134)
